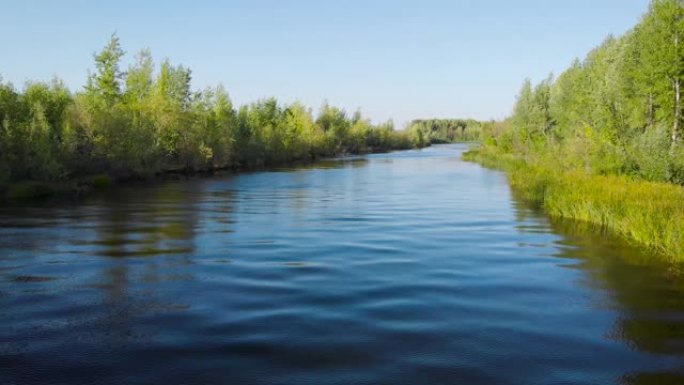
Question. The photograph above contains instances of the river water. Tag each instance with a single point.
(404, 268)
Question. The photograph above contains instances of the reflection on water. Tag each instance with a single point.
(644, 289)
(403, 268)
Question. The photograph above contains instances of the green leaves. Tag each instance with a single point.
(150, 120)
(444, 131)
(610, 113)
(104, 86)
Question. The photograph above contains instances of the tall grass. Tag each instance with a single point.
(649, 213)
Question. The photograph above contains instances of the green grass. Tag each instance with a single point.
(649, 213)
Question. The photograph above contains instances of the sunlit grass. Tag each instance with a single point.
(649, 213)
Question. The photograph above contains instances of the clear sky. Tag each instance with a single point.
(395, 59)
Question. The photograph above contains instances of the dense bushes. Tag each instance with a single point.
(142, 120)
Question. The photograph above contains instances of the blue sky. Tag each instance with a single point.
(393, 59)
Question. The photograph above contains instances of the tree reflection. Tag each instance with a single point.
(158, 223)
(149, 222)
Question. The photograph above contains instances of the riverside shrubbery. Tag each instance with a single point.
(146, 119)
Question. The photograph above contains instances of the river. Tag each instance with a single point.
(411, 267)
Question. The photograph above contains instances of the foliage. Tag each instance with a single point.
(602, 141)
(445, 130)
(619, 111)
(147, 120)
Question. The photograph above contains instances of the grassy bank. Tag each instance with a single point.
(602, 141)
(649, 213)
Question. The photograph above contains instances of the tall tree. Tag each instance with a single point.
(140, 77)
(663, 53)
(105, 84)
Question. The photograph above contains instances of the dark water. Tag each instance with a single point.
(403, 268)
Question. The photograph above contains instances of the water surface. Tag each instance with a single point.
(404, 268)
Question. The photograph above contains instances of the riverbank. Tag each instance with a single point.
(648, 213)
(84, 185)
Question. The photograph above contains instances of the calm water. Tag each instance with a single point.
(404, 268)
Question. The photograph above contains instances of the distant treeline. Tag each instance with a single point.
(446, 130)
(143, 120)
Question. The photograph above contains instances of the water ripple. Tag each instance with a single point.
(403, 268)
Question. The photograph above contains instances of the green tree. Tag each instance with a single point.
(663, 53)
(104, 85)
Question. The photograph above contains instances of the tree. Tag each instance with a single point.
(133, 124)
(174, 84)
(662, 32)
(105, 84)
(523, 114)
(140, 77)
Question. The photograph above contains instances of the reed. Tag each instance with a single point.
(649, 213)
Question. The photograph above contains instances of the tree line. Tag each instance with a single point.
(445, 130)
(144, 120)
(618, 111)
(602, 142)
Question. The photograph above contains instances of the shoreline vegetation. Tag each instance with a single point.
(145, 122)
(648, 213)
(442, 131)
(602, 142)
